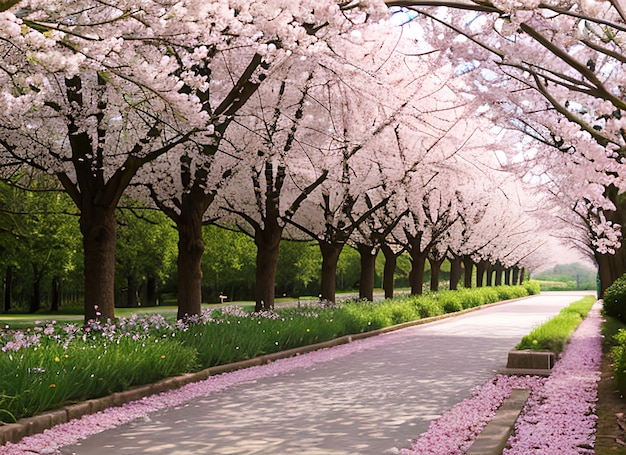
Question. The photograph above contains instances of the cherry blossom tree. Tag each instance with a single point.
(297, 124)
(90, 96)
(337, 214)
(568, 58)
(374, 235)
(283, 126)
(95, 91)
(232, 78)
(428, 154)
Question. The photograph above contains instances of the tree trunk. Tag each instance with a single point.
(416, 277)
(435, 269)
(469, 270)
(488, 274)
(190, 251)
(368, 271)
(611, 267)
(390, 268)
(499, 270)
(98, 225)
(481, 270)
(521, 275)
(56, 294)
(515, 276)
(8, 287)
(268, 247)
(151, 297)
(35, 298)
(606, 271)
(131, 295)
(455, 272)
(507, 276)
(330, 257)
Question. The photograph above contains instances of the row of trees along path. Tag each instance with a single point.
(329, 122)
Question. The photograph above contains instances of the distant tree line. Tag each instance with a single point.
(41, 257)
(568, 276)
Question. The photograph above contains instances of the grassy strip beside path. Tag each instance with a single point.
(51, 365)
(553, 334)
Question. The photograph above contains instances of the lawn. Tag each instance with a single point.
(55, 363)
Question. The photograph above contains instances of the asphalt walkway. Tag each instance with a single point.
(371, 401)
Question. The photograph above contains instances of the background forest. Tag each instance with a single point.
(42, 266)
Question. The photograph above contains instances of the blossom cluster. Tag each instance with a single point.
(455, 431)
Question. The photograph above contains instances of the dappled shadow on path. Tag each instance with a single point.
(367, 403)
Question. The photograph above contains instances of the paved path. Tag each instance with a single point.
(369, 402)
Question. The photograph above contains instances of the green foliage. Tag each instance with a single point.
(146, 252)
(614, 344)
(554, 333)
(56, 370)
(428, 306)
(532, 287)
(45, 378)
(567, 277)
(348, 269)
(44, 245)
(619, 359)
(228, 264)
(615, 299)
(298, 270)
(451, 301)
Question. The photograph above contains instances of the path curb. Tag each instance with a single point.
(29, 426)
(492, 440)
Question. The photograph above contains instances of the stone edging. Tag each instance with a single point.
(493, 438)
(14, 432)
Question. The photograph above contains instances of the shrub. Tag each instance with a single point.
(487, 295)
(402, 310)
(615, 299)
(450, 301)
(470, 298)
(619, 359)
(511, 292)
(532, 287)
(428, 306)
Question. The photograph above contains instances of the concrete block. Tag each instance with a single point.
(528, 359)
(492, 440)
(76, 411)
(12, 432)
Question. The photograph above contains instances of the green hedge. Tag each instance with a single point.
(615, 299)
(619, 359)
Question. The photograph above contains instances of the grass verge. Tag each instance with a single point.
(554, 333)
(51, 365)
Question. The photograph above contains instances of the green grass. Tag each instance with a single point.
(48, 365)
(553, 334)
(37, 380)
